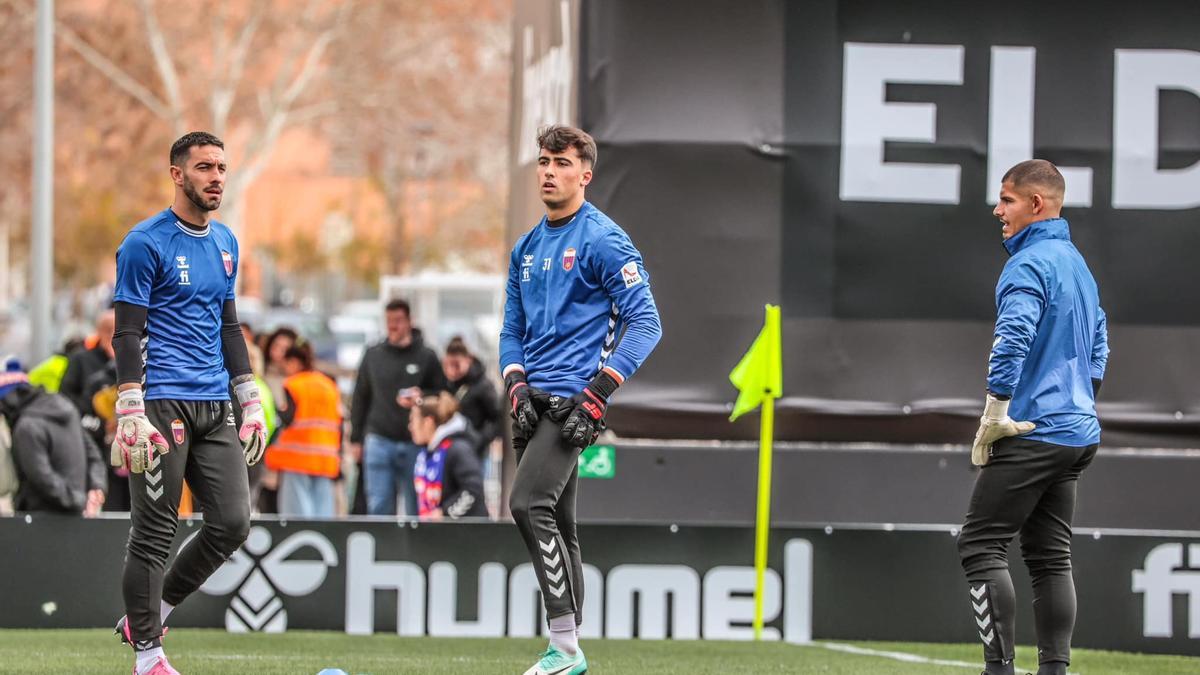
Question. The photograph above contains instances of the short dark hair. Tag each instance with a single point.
(181, 148)
(398, 305)
(1037, 173)
(557, 138)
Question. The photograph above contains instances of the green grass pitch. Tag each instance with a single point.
(201, 652)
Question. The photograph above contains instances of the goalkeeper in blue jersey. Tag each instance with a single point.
(578, 321)
(178, 348)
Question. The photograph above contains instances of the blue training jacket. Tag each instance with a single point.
(1051, 336)
(578, 301)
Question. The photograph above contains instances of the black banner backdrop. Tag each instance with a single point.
(1136, 591)
(840, 158)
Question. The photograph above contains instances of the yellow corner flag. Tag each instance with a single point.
(759, 374)
(759, 379)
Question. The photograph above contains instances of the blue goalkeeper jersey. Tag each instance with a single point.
(182, 277)
(578, 301)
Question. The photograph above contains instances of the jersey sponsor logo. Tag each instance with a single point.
(181, 264)
(412, 368)
(227, 259)
(630, 274)
(177, 431)
(569, 259)
(527, 261)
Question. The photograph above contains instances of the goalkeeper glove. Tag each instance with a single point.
(994, 425)
(137, 444)
(253, 432)
(583, 413)
(520, 398)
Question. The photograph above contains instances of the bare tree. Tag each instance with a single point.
(251, 71)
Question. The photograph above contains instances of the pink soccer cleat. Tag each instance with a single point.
(161, 667)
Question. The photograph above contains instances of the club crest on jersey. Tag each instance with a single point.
(228, 260)
(177, 431)
(569, 259)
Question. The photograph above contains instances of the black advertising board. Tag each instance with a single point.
(1136, 591)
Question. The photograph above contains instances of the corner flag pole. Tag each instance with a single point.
(759, 380)
(762, 526)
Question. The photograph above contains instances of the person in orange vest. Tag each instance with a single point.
(307, 452)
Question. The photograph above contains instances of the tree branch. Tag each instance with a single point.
(165, 65)
(102, 63)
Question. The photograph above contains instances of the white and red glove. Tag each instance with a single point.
(136, 444)
(253, 432)
(994, 425)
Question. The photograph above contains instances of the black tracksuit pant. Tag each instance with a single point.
(543, 505)
(1028, 488)
(206, 451)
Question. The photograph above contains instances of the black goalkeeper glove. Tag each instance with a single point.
(583, 413)
(520, 398)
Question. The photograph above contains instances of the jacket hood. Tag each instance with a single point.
(1053, 228)
(418, 341)
(35, 402)
(456, 425)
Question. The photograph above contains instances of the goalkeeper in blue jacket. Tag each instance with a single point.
(579, 319)
(1039, 429)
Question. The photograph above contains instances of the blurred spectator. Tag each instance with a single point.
(277, 345)
(258, 472)
(477, 398)
(88, 371)
(307, 452)
(447, 478)
(379, 434)
(49, 373)
(58, 465)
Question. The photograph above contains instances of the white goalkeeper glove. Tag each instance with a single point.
(994, 425)
(137, 444)
(253, 433)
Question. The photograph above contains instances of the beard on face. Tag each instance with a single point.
(198, 198)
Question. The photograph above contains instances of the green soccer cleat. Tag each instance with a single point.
(554, 662)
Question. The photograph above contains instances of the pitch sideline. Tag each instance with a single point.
(895, 656)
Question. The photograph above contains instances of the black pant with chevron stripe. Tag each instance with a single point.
(543, 505)
(1027, 488)
(206, 452)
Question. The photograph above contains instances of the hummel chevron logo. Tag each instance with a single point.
(154, 494)
(984, 622)
(548, 547)
(981, 607)
(555, 576)
(978, 592)
(152, 463)
(153, 478)
(987, 637)
(558, 590)
(551, 562)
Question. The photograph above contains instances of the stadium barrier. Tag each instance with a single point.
(1137, 590)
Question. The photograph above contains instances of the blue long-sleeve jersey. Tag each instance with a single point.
(578, 301)
(1051, 336)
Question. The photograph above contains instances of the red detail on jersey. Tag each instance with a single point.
(569, 259)
(227, 258)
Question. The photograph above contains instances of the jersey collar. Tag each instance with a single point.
(190, 231)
